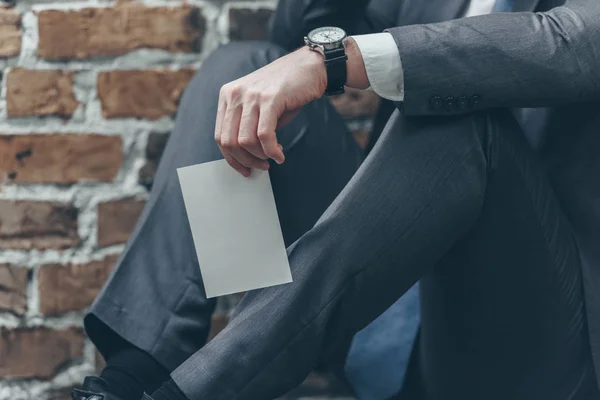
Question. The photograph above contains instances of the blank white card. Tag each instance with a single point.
(235, 227)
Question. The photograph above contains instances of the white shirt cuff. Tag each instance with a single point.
(383, 64)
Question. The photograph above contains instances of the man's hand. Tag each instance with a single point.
(253, 107)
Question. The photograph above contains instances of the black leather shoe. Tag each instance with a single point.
(94, 388)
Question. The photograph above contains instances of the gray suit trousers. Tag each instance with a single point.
(155, 297)
(460, 203)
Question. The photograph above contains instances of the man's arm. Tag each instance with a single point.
(293, 19)
(502, 60)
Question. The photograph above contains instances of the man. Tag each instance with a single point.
(509, 283)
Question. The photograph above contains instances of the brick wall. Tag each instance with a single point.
(89, 91)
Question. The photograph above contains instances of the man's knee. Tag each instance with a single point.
(505, 131)
(237, 59)
(491, 126)
(228, 63)
(248, 54)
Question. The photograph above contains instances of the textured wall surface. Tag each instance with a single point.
(89, 90)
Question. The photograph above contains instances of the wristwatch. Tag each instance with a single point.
(330, 41)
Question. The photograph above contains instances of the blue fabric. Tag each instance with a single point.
(503, 6)
(379, 354)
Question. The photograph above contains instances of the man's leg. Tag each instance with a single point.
(155, 298)
(419, 194)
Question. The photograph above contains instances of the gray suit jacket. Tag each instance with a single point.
(549, 59)
(546, 57)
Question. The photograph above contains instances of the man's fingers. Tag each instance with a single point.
(231, 126)
(247, 137)
(245, 133)
(248, 160)
(234, 164)
(266, 134)
(229, 138)
(220, 116)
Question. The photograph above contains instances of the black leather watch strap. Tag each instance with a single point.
(335, 62)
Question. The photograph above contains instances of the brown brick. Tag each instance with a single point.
(71, 287)
(156, 145)
(248, 24)
(59, 158)
(116, 220)
(356, 103)
(38, 352)
(218, 322)
(13, 289)
(10, 32)
(40, 92)
(26, 225)
(141, 94)
(113, 31)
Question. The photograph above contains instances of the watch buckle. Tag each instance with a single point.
(313, 46)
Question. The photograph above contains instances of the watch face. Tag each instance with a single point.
(326, 35)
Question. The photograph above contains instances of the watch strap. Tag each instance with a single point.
(335, 63)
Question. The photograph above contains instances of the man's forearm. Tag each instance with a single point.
(502, 60)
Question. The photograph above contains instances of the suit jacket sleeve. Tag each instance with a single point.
(502, 60)
(293, 19)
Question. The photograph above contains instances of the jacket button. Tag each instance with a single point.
(475, 100)
(462, 102)
(449, 103)
(435, 103)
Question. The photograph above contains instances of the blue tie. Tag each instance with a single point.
(503, 6)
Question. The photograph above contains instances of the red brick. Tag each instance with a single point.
(26, 225)
(116, 220)
(13, 289)
(249, 24)
(356, 103)
(10, 32)
(40, 92)
(71, 287)
(60, 158)
(112, 31)
(141, 94)
(38, 352)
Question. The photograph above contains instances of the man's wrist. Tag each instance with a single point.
(382, 64)
(356, 73)
(316, 60)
